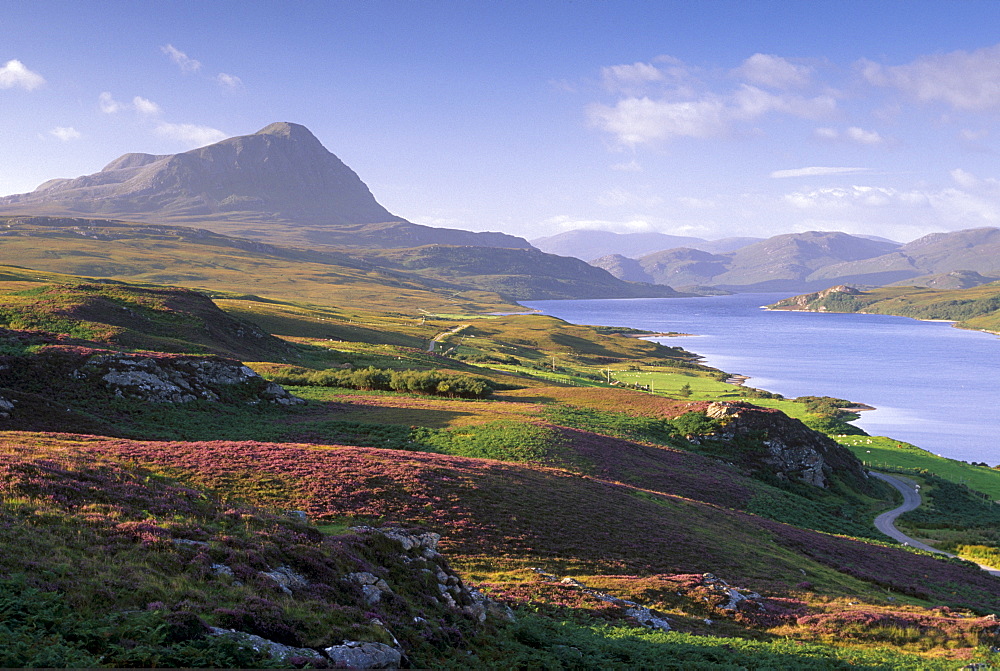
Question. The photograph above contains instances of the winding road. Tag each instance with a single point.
(444, 334)
(911, 500)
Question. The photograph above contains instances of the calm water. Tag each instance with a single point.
(934, 385)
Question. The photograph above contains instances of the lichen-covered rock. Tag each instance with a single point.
(426, 540)
(790, 448)
(364, 655)
(6, 407)
(372, 586)
(286, 578)
(180, 379)
(276, 651)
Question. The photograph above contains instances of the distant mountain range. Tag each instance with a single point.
(816, 260)
(279, 184)
(590, 244)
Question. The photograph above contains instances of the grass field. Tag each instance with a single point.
(882, 452)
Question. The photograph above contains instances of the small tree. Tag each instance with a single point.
(685, 391)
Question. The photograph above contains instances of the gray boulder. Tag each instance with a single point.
(364, 655)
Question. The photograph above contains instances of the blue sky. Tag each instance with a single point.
(707, 118)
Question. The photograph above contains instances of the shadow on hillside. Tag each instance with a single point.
(337, 414)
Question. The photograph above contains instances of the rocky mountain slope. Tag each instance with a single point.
(279, 184)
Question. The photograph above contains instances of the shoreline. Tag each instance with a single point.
(671, 334)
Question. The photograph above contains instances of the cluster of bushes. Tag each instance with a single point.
(431, 382)
(825, 406)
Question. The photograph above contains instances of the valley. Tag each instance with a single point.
(285, 428)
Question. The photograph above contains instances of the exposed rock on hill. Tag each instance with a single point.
(158, 379)
(66, 388)
(809, 301)
(279, 184)
(790, 448)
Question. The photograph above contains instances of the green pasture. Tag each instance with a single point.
(883, 452)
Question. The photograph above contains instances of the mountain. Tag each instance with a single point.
(789, 262)
(518, 274)
(590, 244)
(976, 250)
(434, 278)
(279, 184)
(784, 262)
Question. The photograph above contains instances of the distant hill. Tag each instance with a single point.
(591, 244)
(279, 184)
(434, 278)
(789, 262)
(976, 250)
(519, 274)
(974, 308)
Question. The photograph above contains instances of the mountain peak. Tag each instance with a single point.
(278, 184)
(287, 129)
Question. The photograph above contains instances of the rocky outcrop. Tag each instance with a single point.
(364, 655)
(181, 379)
(412, 552)
(420, 553)
(6, 407)
(815, 301)
(650, 619)
(277, 651)
(782, 444)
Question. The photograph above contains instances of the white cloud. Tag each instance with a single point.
(816, 171)
(567, 223)
(961, 79)
(108, 104)
(862, 136)
(181, 59)
(774, 72)
(631, 166)
(65, 133)
(853, 135)
(946, 208)
(752, 102)
(639, 120)
(630, 78)
(230, 82)
(15, 74)
(190, 134)
(145, 106)
(969, 182)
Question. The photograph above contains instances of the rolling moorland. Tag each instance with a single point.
(161, 498)
(221, 451)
